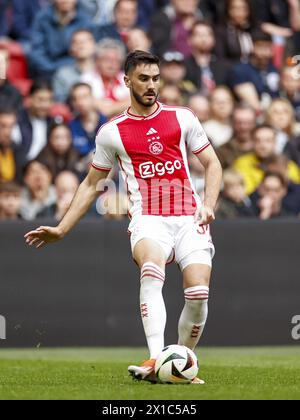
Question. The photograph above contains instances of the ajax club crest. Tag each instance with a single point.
(156, 148)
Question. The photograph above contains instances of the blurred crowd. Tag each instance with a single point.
(235, 63)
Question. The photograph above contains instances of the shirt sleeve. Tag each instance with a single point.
(197, 140)
(104, 157)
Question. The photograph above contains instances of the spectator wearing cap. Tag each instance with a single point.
(125, 19)
(12, 156)
(170, 27)
(203, 68)
(173, 71)
(244, 122)
(51, 36)
(107, 81)
(10, 201)
(34, 121)
(257, 81)
(82, 50)
(38, 192)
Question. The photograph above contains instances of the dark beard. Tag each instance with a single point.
(144, 102)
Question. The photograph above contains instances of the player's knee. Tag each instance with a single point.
(152, 273)
(198, 294)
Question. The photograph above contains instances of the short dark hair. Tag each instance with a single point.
(10, 187)
(83, 30)
(262, 127)
(121, 1)
(79, 85)
(201, 22)
(40, 84)
(284, 182)
(259, 35)
(138, 57)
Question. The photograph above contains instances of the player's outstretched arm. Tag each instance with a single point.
(213, 183)
(82, 201)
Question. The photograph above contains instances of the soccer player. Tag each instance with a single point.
(168, 221)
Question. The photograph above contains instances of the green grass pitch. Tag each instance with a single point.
(101, 374)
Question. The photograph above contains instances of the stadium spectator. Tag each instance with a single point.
(23, 14)
(138, 39)
(213, 11)
(34, 121)
(292, 150)
(173, 70)
(170, 27)
(234, 41)
(107, 82)
(203, 68)
(10, 201)
(85, 125)
(100, 11)
(9, 95)
(125, 19)
(271, 194)
(59, 154)
(38, 192)
(219, 127)
(200, 106)
(244, 122)
(234, 202)
(51, 36)
(148, 8)
(12, 156)
(290, 87)
(170, 95)
(66, 185)
(83, 50)
(257, 81)
(253, 165)
(281, 116)
(291, 202)
(4, 20)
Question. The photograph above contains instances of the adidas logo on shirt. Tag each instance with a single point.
(152, 131)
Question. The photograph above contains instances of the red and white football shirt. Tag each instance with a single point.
(152, 153)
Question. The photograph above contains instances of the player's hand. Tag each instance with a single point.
(205, 215)
(43, 235)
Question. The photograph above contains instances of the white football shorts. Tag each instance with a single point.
(181, 239)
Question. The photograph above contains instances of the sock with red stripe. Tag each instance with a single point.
(194, 316)
(153, 308)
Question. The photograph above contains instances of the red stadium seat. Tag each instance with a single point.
(17, 72)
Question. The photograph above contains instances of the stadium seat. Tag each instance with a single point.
(17, 72)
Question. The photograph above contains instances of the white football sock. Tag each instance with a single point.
(153, 308)
(194, 316)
